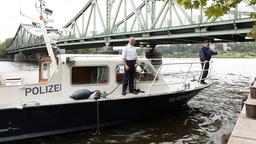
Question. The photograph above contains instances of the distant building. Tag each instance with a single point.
(1, 42)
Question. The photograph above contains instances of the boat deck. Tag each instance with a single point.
(28, 77)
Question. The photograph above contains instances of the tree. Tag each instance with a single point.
(217, 7)
(2, 50)
(4, 46)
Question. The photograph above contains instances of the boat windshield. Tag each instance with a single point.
(143, 73)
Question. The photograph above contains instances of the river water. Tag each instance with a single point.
(208, 115)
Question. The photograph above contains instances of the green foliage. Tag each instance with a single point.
(192, 4)
(217, 7)
(82, 51)
(252, 2)
(238, 50)
(7, 42)
(2, 52)
(234, 54)
(216, 11)
(3, 47)
(253, 15)
(253, 32)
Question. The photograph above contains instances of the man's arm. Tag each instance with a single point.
(214, 52)
(124, 59)
(201, 55)
(125, 64)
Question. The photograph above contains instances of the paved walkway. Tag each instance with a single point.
(244, 131)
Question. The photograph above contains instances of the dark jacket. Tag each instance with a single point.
(206, 54)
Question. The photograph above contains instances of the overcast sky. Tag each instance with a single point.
(63, 11)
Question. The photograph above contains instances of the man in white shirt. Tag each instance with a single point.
(130, 59)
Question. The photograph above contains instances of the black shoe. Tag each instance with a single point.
(139, 91)
(123, 93)
(133, 92)
(202, 82)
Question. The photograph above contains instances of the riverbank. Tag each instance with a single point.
(245, 128)
(244, 131)
(222, 54)
(3, 59)
(11, 60)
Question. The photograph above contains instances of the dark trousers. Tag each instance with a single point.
(205, 70)
(129, 76)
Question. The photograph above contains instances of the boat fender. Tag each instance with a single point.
(81, 94)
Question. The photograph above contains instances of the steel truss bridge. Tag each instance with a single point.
(108, 23)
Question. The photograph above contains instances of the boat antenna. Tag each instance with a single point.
(41, 24)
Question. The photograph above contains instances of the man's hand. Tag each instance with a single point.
(126, 67)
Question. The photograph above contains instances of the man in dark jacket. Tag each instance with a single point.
(205, 54)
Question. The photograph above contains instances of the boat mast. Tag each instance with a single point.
(46, 38)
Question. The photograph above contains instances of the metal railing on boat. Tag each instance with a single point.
(194, 69)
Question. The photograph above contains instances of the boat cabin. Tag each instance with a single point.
(79, 73)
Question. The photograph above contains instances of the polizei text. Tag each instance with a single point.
(43, 89)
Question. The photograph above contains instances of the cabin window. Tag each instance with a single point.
(46, 71)
(143, 73)
(90, 75)
(119, 73)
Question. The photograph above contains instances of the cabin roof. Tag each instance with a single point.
(94, 57)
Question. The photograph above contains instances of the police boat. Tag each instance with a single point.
(83, 92)
(74, 92)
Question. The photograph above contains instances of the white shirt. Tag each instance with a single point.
(129, 52)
